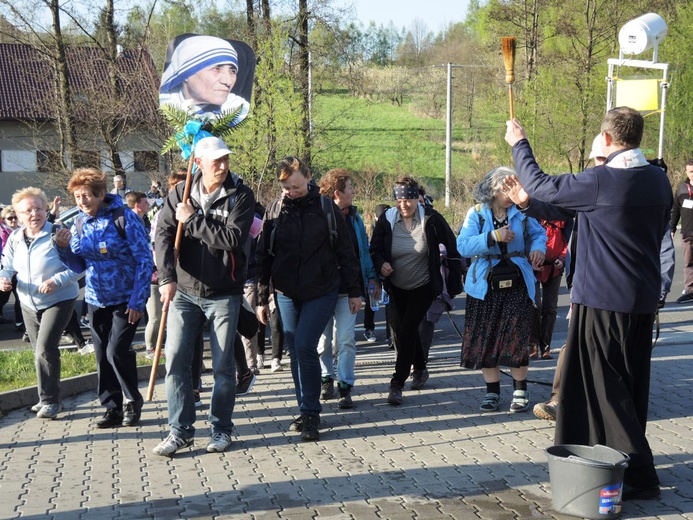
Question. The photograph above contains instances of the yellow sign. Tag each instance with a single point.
(640, 94)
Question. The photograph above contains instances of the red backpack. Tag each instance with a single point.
(556, 246)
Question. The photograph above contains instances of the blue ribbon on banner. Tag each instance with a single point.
(188, 137)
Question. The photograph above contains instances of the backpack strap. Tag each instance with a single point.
(118, 220)
(328, 209)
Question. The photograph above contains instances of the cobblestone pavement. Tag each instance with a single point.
(433, 457)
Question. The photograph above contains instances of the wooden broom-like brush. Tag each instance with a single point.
(508, 43)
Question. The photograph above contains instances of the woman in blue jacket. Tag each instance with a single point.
(47, 291)
(113, 246)
(336, 184)
(500, 286)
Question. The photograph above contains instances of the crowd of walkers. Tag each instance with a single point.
(305, 265)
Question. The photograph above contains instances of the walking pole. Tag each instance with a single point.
(164, 310)
(508, 44)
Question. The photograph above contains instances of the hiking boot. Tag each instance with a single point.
(170, 445)
(111, 418)
(277, 365)
(296, 425)
(345, 396)
(395, 396)
(50, 411)
(327, 388)
(546, 411)
(131, 413)
(520, 402)
(490, 403)
(245, 383)
(419, 378)
(219, 442)
(310, 432)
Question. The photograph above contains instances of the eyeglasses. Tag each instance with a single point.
(32, 210)
(11, 218)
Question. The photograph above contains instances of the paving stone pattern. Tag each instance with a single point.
(433, 457)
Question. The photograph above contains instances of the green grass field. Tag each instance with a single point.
(364, 135)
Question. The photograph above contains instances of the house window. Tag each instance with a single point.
(146, 161)
(86, 159)
(48, 161)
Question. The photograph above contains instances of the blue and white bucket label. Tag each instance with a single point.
(610, 500)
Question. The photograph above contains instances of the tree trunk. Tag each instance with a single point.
(304, 86)
(65, 120)
(113, 128)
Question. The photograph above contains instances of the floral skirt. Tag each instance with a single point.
(497, 329)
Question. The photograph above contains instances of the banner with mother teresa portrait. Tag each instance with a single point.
(207, 76)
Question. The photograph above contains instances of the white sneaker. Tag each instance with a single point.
(260, 361)
(88, 348)
(50, 411)
(277, 365)
(218, 442)
(170, 445)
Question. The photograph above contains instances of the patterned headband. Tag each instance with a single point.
(402, 191)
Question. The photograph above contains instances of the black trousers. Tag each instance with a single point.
(407, 309)
(116, 364)
(605, 386)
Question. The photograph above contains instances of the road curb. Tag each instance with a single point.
(26, 397)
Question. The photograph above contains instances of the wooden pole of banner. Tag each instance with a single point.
(164, 310)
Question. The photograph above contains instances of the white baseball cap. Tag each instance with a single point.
(597, 148)
(211, 148)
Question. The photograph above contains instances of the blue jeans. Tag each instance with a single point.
(344, 323)
(186, 317)
(304, 322)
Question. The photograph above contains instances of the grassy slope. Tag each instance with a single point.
(378, 136)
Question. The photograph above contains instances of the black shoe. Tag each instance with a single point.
(310, 428)
(111, 418)
(685, 298)
(636, 493)
(245, 383)
(395, 396)
(132, 413)
(345, 396)
(419, 378)
(327, 388)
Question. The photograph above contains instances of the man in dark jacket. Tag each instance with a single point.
(623, 208)
(683, 212)
(206, 284)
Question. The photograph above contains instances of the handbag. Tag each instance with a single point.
(504, 275)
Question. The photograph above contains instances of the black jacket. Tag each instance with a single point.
(212, 261)
(684, 192)
(304, 265)
(437, 232)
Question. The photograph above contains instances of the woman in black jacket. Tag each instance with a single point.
(405, 251)
(305, 250)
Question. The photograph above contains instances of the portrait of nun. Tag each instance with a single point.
(210, 74)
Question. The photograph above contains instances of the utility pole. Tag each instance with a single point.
(448, 126)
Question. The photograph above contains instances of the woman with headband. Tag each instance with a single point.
(201, 73)
(405, 251)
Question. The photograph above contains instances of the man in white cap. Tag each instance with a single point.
(205, 284)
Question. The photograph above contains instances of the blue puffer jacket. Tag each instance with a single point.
(473, 242)
(119, 270)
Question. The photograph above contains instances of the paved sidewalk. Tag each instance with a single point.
(433, 457)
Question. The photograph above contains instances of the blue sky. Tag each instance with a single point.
(435, 13)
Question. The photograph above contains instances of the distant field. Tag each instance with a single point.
(363, 135)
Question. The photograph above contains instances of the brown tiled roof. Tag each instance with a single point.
(28, 88)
